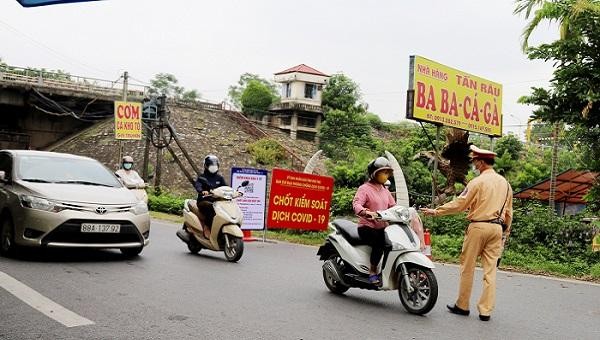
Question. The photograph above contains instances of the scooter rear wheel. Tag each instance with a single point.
(331, 282)
(425, 290)
(194, 246)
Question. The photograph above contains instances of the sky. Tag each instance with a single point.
(207, 45)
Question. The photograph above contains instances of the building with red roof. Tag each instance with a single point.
(299, 110)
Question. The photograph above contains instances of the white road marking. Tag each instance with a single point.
(41, 303)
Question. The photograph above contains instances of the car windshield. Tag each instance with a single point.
(44, 169)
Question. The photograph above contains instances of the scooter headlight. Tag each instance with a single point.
(228, 194)
(403, 214)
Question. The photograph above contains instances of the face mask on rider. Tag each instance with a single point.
(381, 177)
(213, 169)
(127, 166)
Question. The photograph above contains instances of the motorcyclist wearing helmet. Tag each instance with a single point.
(130, 178)
(208, 180)
(370, 197)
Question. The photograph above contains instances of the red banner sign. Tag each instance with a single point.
(299, 200)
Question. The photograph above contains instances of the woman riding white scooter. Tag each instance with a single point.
(371, 197)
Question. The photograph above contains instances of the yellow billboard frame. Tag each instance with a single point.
(442, 95)
(128, 120)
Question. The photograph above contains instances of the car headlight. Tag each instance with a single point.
(140, 208)
(39, 203)
(403, 214)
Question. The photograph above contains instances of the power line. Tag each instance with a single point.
(64, 57)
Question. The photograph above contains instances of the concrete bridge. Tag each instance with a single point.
(39, 108)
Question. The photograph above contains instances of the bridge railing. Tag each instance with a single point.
(67, 82)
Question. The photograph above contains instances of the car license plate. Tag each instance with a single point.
(100, 228)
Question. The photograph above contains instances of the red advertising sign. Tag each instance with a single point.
(299, 200)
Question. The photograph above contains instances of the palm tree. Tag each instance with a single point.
(562, 11)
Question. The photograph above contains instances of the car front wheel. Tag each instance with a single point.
(7, 237)
(131, 252)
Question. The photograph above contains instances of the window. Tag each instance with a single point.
(64, 170)
(287, 90)
(310, 91)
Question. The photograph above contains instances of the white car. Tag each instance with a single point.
(52, 199)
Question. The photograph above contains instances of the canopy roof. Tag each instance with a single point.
(571, 186)
(302, 68)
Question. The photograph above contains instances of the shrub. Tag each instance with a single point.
(446, 247)
(341, 202)
(595, 271)
(453, 225)
(563, 237)
(267, 151)
(165, 202)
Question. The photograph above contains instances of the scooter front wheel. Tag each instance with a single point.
(234, 248)
(423, 290)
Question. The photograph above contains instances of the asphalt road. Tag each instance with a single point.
(276, 291)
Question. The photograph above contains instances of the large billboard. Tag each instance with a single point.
(128, 120)
(443, 95)
(299, 200)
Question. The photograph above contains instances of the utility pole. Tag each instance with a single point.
(158, 170)
(161, 112)
(554, 169)
(125, 78)
(147, 131)
(435, 166)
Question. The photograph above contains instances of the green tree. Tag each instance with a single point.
(351, 171)
(541, 133)
(574, 94)
(340, 93)
(235, 91)
(562, 11)
(510, 144)
(190, 95)
(257, 97)
(165, 84)
(343, 130)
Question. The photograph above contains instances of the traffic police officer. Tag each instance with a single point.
(488, 200)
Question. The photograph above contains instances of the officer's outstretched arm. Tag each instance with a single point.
(460, 203)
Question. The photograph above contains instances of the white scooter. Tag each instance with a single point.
(225, 233)
(403, 267)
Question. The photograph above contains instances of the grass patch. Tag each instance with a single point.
(311, 238)
(166, 217)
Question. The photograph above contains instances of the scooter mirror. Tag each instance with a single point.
(245, 183)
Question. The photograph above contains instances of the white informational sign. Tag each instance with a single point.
(254, 202)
